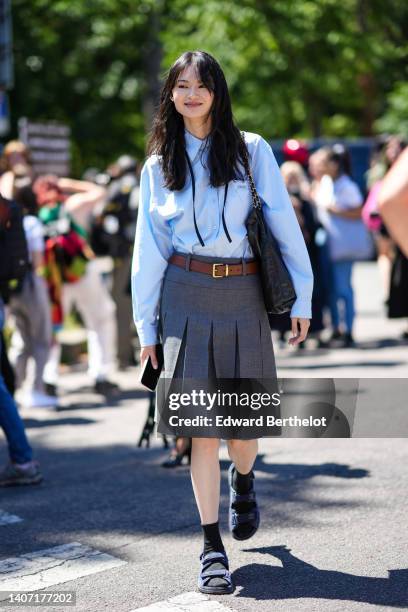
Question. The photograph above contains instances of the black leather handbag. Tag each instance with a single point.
(279, 293)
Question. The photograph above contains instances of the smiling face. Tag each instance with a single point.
(191, 97)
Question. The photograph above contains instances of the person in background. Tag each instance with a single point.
(393, 206)
(296, 180)
(122, 207)
(15, 164)
(180, 450)
(112, 231)
(21, 468)
(298, 188)
(31, 310)
(384, 244)
(29, 306)
(393, 200)
(6, 369)
(317, 169)
(65, 207)
(339, 203)
(385, 150)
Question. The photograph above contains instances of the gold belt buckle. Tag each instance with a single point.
(214, 270)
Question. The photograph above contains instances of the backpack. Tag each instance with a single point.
(65, 246)
(14, 257)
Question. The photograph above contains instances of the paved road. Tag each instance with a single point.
(112, 525)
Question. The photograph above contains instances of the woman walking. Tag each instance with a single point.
(194, 279)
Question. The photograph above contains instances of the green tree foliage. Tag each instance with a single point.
(305, 68)
(83, 63)
(295, 67)
(395, 119)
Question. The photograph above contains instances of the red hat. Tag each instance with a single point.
(294, 150)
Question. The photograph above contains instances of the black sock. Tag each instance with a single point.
(241, 483)
(212, 538)
(213, 543)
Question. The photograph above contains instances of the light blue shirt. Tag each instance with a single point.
(165, 224)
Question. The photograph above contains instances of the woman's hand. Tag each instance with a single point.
(300, 328)
(146, 352)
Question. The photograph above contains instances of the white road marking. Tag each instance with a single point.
(50, 566)
(186, 602)
(7, 519)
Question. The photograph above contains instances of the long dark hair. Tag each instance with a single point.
(225, 152)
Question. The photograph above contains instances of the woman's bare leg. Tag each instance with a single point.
(243, 454)
(205, 476)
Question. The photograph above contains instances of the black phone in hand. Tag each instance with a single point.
(149, 376)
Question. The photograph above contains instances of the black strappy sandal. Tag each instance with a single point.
(220, 573)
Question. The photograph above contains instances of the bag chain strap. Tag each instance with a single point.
(256, 200)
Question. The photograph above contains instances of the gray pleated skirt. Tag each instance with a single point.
(214, 328)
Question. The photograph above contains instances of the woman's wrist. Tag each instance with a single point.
(148, 336)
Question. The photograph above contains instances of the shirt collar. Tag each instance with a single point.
(194, 145)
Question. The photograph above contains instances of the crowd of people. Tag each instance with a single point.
(53, 231)
(69, 224)
(341, 225)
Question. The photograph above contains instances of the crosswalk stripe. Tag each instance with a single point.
(50, 566)
(186, 602)
(7, 519)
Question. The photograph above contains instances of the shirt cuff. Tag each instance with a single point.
(148, 335)
(302, 308)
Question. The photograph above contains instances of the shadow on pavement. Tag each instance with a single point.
(373, 345)
(30, 423)
(122, 489)
(300, 471)
(79, 405)
(298, 579)
(73, 399)
(121, 394)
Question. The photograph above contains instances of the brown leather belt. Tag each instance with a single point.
(216, 270)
